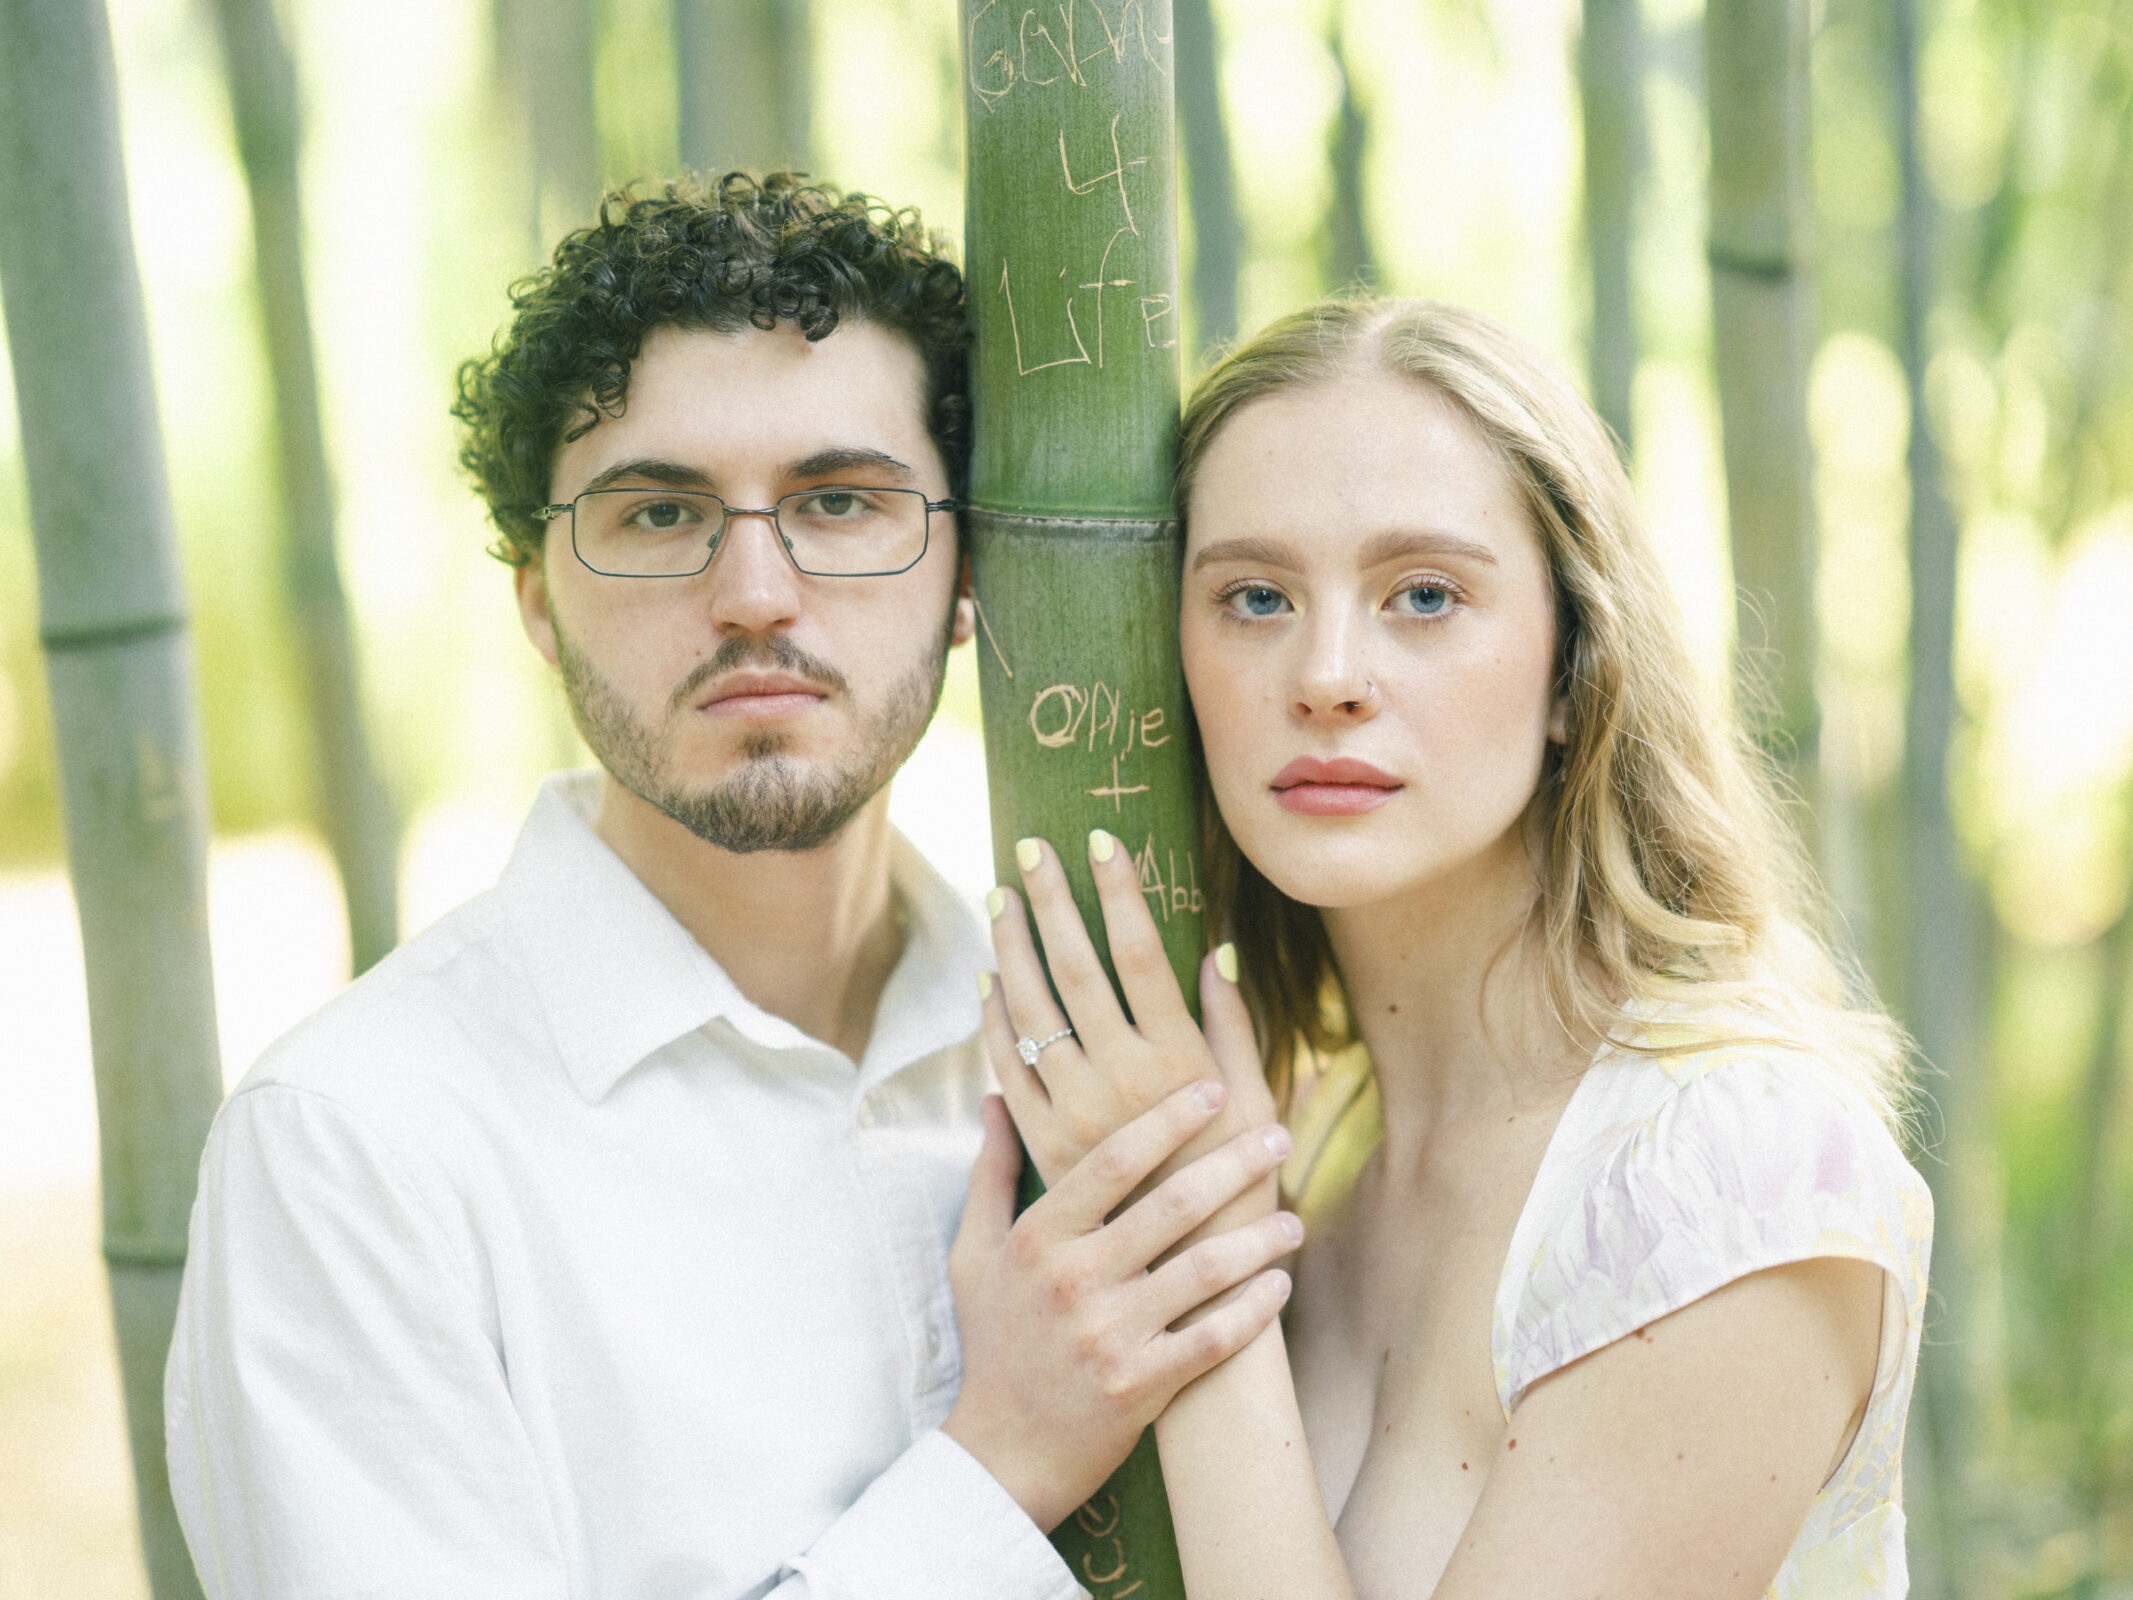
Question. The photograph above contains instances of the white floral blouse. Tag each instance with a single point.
(1670, 1176)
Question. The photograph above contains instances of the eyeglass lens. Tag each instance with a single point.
(672, 533)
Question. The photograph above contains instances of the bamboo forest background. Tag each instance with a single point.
(1875, 374)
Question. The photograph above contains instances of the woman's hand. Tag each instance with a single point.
(1114, 1067)
(1068, 1349)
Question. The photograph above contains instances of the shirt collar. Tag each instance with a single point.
(618, 978)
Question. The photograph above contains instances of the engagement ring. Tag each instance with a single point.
(1027, 1048)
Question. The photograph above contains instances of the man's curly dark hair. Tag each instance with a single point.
(742, 252)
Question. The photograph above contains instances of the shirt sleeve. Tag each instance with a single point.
(339, 1421)
(1749, 1164)
(935, 1524)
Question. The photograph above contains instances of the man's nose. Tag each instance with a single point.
(754, 586)
(1333, 680)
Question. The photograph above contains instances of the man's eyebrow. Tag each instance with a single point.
(649, 470)
(847, 458)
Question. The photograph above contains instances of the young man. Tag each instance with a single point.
(597, 1244)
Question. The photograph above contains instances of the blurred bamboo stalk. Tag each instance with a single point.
(1348, 259)
(2091, 1377)
(1611, 85)
(353, 805)
(742, 75)
(1072, 271)
(1210, 174)
(119, 670)
(1755, 73)
(1943, 926)
(544, 54)
(2093, 1380)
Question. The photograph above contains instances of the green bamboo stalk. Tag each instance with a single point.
(1072, 265)
(1611, 84)
(1755, 55)
(351, 800)
(118, 665)
(742, 70)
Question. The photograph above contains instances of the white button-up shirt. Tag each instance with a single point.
(541, 1263)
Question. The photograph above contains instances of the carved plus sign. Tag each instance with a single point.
(1116, 792)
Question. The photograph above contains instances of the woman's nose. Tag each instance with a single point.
(1335, 679)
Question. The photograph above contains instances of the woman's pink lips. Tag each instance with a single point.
(1340, 788)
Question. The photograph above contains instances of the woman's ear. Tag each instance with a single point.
(1559, 718)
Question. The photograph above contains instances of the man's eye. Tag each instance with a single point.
(833, 503)
(660, 516)
(1425, 599)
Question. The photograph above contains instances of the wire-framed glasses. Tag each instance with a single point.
(837, 531)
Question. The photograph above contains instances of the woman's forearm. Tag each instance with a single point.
(1251, 1524)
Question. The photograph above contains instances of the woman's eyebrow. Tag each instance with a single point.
(1399, 545)
(1402, 544)
(1259, 552)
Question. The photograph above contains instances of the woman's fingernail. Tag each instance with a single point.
(1278, 1140)
(1210, 1095)
(984, 986)
(1292, 1225)
(1027, 855)
(995, 902)
(1101, 844)
(1226, 962)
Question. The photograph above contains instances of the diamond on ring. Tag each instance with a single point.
(1028, 1048)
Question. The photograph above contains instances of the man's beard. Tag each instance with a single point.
(772, 802)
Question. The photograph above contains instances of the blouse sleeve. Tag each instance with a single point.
(1748, 1163)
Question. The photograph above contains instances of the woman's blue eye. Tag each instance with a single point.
(1426, 599)
(1258, 602)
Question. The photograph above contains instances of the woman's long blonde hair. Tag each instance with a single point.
(1671, 881)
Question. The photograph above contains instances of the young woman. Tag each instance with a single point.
(1627, 1302)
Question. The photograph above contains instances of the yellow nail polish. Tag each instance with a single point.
(984, 986)
(1226, 961)
(995, 902)
(1101, 845)
(1027, 855)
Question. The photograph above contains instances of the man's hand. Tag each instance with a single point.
(1068, 1352)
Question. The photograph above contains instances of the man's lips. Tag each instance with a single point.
(1342, 788)
(761, 694)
